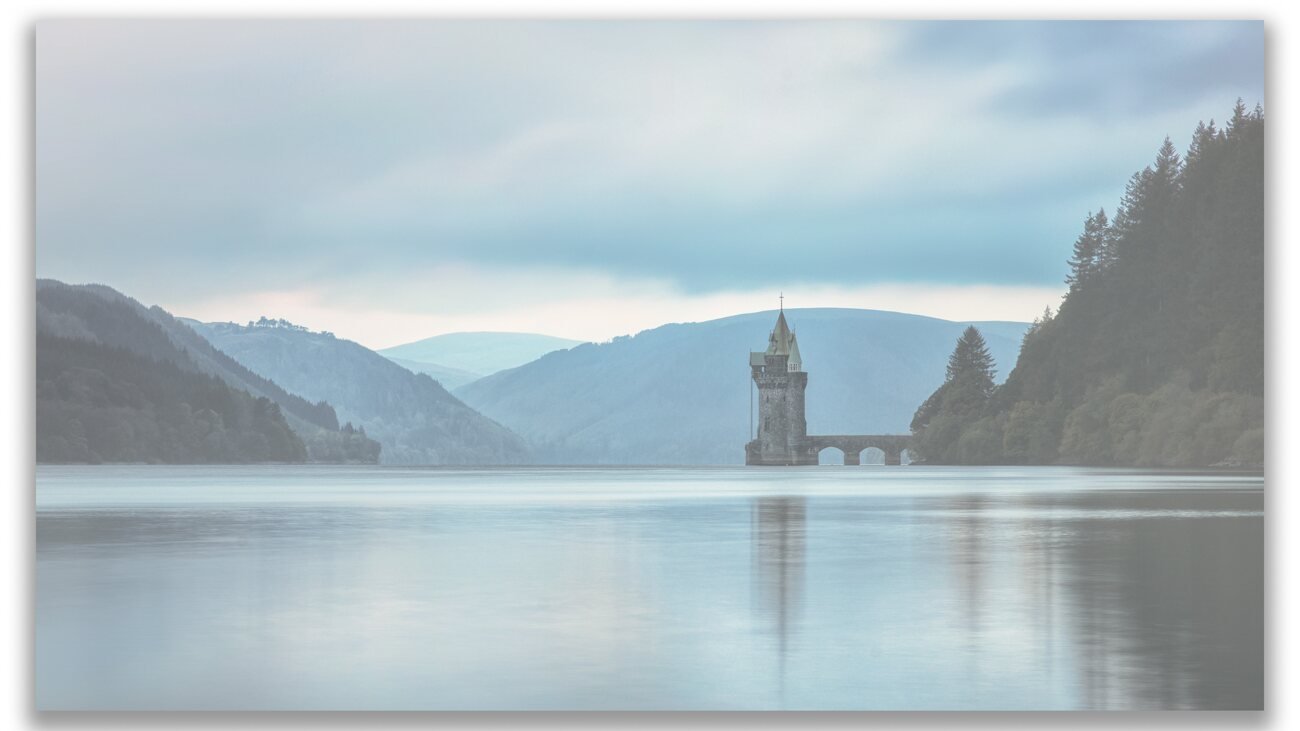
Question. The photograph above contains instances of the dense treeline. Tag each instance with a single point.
(96, 314)
(344, 445)
(129, 408)
(103, 314)
(1156, 355)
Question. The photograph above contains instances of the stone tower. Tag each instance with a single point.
(782, 429)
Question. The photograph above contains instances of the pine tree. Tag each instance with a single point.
(1037, 325)
(1089, 249)
(959, 403)
(1202, 139)
(1128, 217)
(971, 362)
(1168, 163)
(1238, 118)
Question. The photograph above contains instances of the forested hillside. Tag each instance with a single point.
(415, 419)
(96, 403)
(1156, 355)
(108, 329)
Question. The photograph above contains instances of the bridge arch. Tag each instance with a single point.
(873, 455)
(859, 448)
(831, 455)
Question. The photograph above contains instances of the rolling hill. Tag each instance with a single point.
(463, 357)
(450, 378)
(415, 419)
(680, 393)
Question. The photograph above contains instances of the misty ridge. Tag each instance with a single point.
(1154, 358)
(415, 419)
(457, 359)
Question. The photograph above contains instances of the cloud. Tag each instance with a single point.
(1104, 70)
(186, 160)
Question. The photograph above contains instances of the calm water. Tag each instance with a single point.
(728, 588)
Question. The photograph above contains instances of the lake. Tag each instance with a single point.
(897, 588)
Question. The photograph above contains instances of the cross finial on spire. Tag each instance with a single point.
(782, 298)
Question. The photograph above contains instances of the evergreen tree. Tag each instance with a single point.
(1036, 327)
(1239, 118)
(1088, 250)
(1156, 355)
(958, 404)
(1109, 250)
(1202, 139)
(970, 364)
(1168, 163)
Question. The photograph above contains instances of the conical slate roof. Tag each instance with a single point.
(781, 339)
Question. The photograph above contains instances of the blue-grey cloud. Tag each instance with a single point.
(1103, 70)
(183, 158)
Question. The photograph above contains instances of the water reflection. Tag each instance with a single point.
(1150, 589)
(1159, 601)
(967, 554)
(497, 590)
(777, 537)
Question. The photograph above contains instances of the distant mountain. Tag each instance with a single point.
(680, 393)
(480, 353)
(120, 382)
(416, 419)
(450, 378)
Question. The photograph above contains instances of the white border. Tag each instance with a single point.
(18, 273)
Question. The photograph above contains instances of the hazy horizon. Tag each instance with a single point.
(417, 338)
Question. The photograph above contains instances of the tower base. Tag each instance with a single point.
(802, 456)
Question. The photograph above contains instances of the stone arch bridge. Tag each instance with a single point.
(853, 444)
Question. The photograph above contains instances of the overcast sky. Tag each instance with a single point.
(394, 180)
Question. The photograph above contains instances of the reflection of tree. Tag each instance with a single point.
(1038, 545)
(1169, 611)
(777, 529)
(1142, 607)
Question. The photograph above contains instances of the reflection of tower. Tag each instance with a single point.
(782, 428)
(968, 556)
(777, 555)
